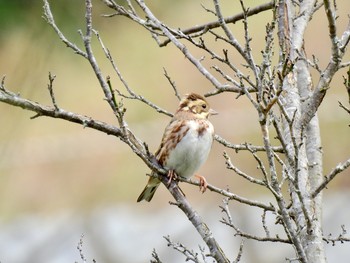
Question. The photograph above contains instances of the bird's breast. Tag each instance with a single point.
(193, 149)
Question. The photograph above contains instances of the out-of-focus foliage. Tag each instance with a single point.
(21, 14)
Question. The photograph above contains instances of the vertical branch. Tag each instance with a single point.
(232, 40)
(287, 221)
(179, 45)
(93, 62)
(50, 88)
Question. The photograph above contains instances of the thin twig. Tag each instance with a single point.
(202, 29)
(229, 222)
(196, 62)
(155, 257)
(232, 196)
(80, 249)
(249, 178)
(328, 178)
(190, 255)
(231, 39)
(50, 88)
(245, 146)
(172, 83)
(132, 95)
(50, 20)
(344, 107)
(240, 252)
(263, 220)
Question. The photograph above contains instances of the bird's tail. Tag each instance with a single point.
(151, 187)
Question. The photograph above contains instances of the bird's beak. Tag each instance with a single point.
(213, 112)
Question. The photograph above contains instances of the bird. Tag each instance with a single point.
(186, 143)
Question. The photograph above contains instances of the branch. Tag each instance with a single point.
(40, 110)
(167, 32)
(275, 189)
(232, 19)
(337, 170)
(229, 222)
(231, 39)
(331, 16)
(340, 238)
(132, 95)
(196, 220)
(338, 51)
(172, 83)
(93, 62)
(155, 257)
(13, 99)
(240, 252)
(246, 146)
(50, 88)
(189, 254)
(50, 20)
(232, 196)
(81, 252)
(347, 87)
(230, 166)
(344, 107)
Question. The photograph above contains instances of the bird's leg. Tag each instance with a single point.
(203, 185)
(171, 176)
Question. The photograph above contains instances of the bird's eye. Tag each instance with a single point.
(204, 106)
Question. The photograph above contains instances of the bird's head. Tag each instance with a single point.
(197, 105)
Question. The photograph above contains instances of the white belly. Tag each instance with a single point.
(191, 152)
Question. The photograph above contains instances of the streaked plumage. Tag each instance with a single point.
(186, 142)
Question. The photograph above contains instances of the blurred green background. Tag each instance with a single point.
(48, 166)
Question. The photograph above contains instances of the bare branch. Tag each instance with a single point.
(196, 220)
(231, 39)
(179, 45)
(331, 16)
(263, 220)
(245, 146)
(232, 196)
(132, 95)
(172, 83)
(337, 170)
(155, 257)
(347, 84)
(93, 62)
(338, 51)
(240, 252)
(50, 20)
(50, 87)
(81, 252)
(229, 222)
(189, 254)
(202, 29)
(345, 38)
(340, 238)
(344, 107)
(249, 178)
(14, 100)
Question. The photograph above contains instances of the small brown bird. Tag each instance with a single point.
(186, 143)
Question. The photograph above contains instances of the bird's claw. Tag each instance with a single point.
(203, 185)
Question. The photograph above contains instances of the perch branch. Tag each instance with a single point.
(232, 196)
